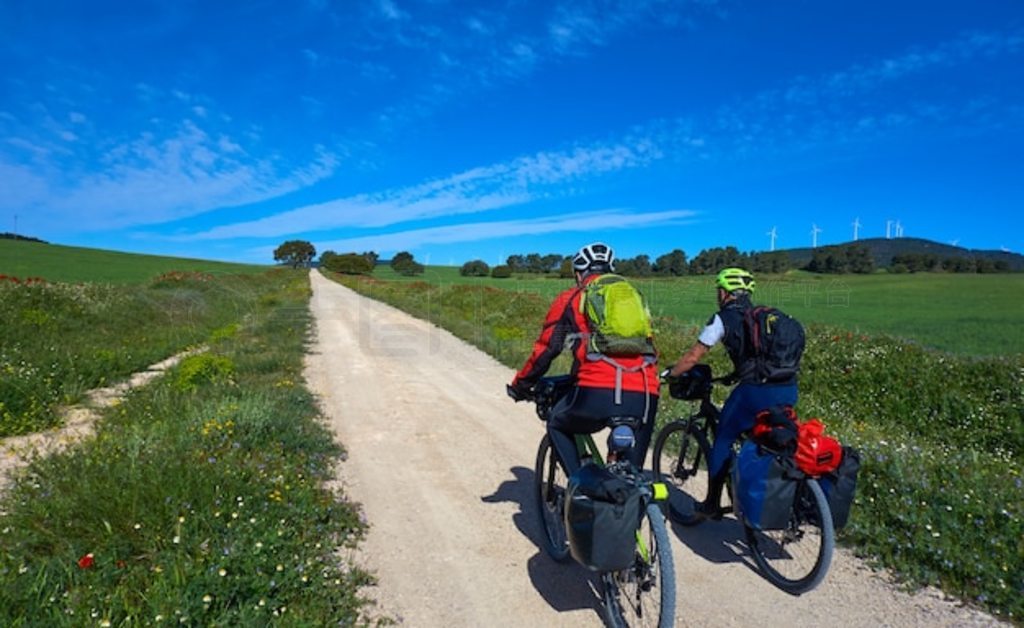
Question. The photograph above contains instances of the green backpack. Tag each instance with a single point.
(619, 320)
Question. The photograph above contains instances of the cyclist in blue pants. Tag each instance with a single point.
(751, 395)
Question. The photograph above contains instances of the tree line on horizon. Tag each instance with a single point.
(837, 259)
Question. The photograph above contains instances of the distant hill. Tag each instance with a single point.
(55, 262)
(7, 235)
(884, 249)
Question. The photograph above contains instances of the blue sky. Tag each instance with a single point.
(462, 130)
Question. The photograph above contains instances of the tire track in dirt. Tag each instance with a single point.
(77, 421)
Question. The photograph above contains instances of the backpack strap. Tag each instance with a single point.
(619, 370)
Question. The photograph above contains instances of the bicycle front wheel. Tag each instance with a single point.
(797, 558)
(550, 488)
(680, 454)
(644, 594)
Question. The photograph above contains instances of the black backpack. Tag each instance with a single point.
(776, 341)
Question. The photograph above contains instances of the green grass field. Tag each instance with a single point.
(964, 314)
(55, 262)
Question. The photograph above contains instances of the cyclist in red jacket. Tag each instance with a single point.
(602, 389)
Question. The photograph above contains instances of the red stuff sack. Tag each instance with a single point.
(776, 428)
(816, 454)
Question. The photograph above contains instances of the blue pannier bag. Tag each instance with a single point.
(764, 487)
(840, 486)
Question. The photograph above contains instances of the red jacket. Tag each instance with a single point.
(565, 322)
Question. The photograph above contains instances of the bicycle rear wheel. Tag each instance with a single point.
(797, 558)
(680, 453)
(644, 594)
(550, 486)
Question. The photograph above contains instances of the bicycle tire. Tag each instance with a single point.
(550, 488)
(797, 559)
(682, 450)
(645, 594)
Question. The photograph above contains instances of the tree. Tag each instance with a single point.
(475, 268)
(325, 258)
(551, 262)
(710, 261)
(348, 264)
(516, 263)
(504, 271)
(534, 263)
(372, 256)
(774, 262)
(673, 264)
(404, 264)
(295, 253)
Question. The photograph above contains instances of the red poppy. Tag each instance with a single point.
(121, 564)
(86, 561)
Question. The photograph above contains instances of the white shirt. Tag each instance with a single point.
(712, 333)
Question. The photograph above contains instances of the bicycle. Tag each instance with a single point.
(644, 593)
(795, 558)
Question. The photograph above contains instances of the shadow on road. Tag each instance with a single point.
(715, 541)
(564, 586)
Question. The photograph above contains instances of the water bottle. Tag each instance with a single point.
(621, 439)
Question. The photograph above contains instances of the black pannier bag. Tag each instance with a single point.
(601, 516)
(840, 486)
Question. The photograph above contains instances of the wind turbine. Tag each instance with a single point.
(955, 242)
(856, 226)
(888, 228)
(773, 233)
(899, 229)
(815, 230)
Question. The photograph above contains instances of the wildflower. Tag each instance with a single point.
(86, 562)
(105, 623)
(138, 526)
(207, 599)
(176, 539)
(223, 572)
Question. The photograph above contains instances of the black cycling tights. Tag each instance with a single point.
(587, 410)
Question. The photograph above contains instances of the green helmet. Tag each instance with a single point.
(731, 279)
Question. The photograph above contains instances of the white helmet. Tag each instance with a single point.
(594, 254)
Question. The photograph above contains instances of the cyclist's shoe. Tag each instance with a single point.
(703, 511)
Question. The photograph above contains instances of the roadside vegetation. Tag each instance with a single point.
(941, 435)
(202, 499)
(60, 340)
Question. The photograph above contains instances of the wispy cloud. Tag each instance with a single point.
(150, 179)
(859, 103)
(493, 47)
(472, 232)
(481, 189)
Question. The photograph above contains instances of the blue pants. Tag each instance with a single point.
(737, 416)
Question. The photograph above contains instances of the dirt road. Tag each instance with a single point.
(442, 461)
